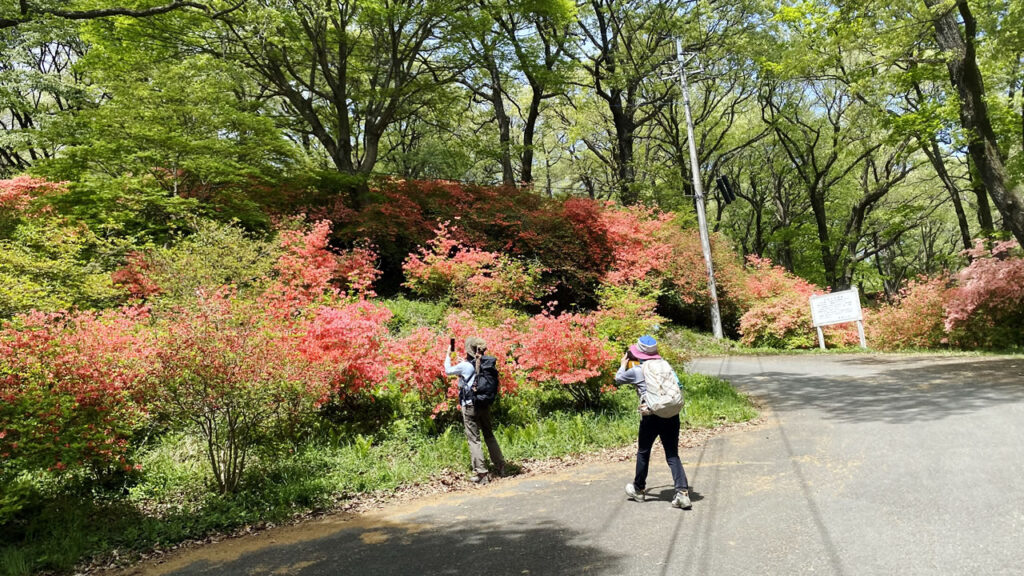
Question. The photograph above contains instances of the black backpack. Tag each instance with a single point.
(485, 387)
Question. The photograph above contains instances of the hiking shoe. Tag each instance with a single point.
(682, 500)
(480, 479)
(634, 494)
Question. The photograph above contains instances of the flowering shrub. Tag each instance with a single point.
(357, 270)
(780, 313)
(565, 349)
(17, 194)
(780, 316)
(135, 277)
(304, 270)
(660, 253)
(349, 342)
(71, 390)
(416, 364)
(444, 265)
(986, 308)
(638, 247)
(914, 320)
(234, 373)
(475, 278)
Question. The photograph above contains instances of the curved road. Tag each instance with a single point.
(863, 465)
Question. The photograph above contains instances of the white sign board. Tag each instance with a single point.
(836, 308)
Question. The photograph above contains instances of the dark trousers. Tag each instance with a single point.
(667, 429)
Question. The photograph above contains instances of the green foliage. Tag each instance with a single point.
(150, 135)
(625, 313)
(407, 314)
(136, 211)
(214, 254)
(49, 264)
(38, 83)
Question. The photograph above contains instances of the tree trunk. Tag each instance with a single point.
(966, 77)
(526, 173)
(624, 136)
(931, 149)
(978, 187)
(828, 259)
(508, 177)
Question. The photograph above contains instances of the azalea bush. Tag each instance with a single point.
(72, 390)
(349, 340)
(640, 251)
(566, 349)
(986, 307)
(416, 364)
(18, 196)
(474, 278)
(358, 270)
(304, 271)
(915, 319)
(236, 376)
(780, 313)
(659, 254)
(136, 277)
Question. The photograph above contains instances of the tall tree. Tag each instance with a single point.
(540, 34)
(627, 43)
(960, 44)
(723, 48)
(343, 71)
(38, 82)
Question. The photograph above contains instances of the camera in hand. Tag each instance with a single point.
(631, 361)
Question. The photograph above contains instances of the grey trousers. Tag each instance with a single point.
(477, 420)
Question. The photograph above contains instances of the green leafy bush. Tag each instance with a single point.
(213, 254)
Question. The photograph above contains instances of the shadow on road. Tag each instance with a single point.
(894, 390)
(394, 548)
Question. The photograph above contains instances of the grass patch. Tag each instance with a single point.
(712, 402)
(171, 500)
(407, 315)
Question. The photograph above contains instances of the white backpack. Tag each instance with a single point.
(664, 396)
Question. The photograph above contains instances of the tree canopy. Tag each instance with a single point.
(866, 141)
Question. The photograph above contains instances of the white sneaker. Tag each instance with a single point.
(682, 500)
(634, 494)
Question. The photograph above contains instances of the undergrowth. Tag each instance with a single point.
(171, 501)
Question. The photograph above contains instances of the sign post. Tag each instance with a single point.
(837, 308)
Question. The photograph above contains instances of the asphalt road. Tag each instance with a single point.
(863, 465)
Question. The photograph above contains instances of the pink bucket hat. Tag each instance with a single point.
(646, 348)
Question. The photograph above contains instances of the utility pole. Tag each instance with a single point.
(698, 191)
